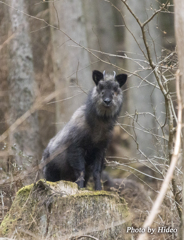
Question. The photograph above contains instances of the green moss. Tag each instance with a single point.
(5, 225)
(25, 191)
(93, 193)
(14, 215)
(70, 184)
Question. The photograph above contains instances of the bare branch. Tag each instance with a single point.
(88, 236)
(133, 14)
(7, 41)
(165, 184)
(148, 20)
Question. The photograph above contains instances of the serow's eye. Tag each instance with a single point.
(100, 87)
(102, 92)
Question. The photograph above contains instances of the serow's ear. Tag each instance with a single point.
(97, 76)
(121, 79)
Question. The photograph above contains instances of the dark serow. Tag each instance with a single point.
(79, 148)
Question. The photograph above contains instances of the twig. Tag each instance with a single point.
(2, 201)
(149, 19)
(7, 41)
(88, 236)
(169, 175)
(128, 28)
(136, 170)
(56, 15)
(27, 232)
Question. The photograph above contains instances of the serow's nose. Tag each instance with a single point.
(107, 101)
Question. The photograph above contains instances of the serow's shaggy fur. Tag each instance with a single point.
(79, 148)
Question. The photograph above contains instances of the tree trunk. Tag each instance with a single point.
(99, 20)
(179, 33)
(3, 69)
(71, 64)
(22, 86)
(43, 67)
(143, 98)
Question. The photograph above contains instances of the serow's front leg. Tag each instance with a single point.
(80, 178)
(97, 180)
(77, 162)
(88, 171)
(97, 170)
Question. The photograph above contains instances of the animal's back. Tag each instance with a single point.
(68, 133)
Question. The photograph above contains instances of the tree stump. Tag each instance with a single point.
(59, 210)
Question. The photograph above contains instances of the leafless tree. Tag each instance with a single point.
(71, 64)
(22, 87)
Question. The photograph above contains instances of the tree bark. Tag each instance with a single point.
(179, 33)
(22, 86)
(3, 69)
(71, 64)
(43, 67)
(142, 97)
(100, 21)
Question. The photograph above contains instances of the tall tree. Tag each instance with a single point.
(3, 67)
(100, 21)
(43, 68)
(144, 100)
(72, 74)
(22, 84)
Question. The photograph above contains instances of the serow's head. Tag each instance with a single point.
(107, 93)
